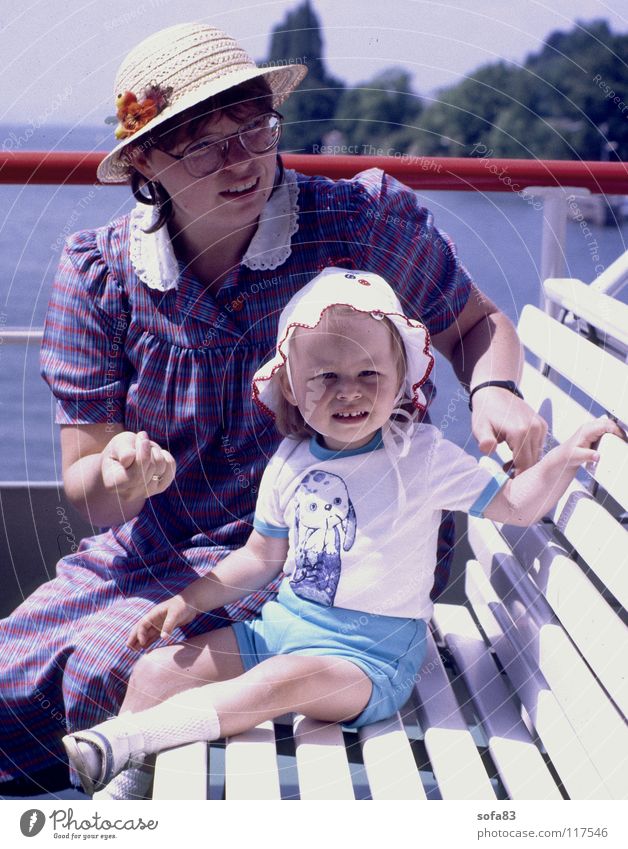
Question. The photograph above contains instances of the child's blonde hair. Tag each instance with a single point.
(289, 420)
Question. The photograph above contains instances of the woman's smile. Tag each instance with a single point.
(242, 189)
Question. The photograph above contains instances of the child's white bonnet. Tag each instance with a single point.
(365, 292)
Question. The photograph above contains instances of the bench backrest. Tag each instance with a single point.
(551, 599)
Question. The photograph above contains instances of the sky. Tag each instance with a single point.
(59, 57)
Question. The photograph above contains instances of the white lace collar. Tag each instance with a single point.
(154, 260)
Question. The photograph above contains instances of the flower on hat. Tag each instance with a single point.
(198, 62)
(133, 114)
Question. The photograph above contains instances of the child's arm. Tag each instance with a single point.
(528, 497)
(242, 572)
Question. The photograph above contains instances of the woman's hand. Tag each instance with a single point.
(499, 416)
(482, 344)
(135, 467)
(160, 622)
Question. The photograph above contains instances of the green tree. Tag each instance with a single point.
(381, 114)
(569, 100)
(520, 134)
(562, 86)
(310, 110)
(463, 115)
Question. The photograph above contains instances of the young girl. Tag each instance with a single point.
(348, 508)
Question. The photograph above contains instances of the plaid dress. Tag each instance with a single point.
(179, 365)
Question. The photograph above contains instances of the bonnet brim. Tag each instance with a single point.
(364, 292)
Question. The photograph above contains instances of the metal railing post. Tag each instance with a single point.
(554, 235)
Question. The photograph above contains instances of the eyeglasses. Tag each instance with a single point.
(206, 156)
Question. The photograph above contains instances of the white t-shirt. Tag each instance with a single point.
(348, 545)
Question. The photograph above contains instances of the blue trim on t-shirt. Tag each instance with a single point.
(321, 452)
(269, 530)
(487, 495)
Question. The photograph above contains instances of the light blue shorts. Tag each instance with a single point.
(389, 649)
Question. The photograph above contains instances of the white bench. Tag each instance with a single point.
(523, 692)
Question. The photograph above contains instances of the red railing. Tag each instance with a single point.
(419, 172)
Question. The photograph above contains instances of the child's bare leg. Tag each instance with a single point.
(323, 687)
(162, 673)
(156, 676)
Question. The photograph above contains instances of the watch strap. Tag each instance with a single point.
(510, 385)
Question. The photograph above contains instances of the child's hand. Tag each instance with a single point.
(160, 621)
(581, 447)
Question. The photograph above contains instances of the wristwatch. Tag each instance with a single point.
(510, 385)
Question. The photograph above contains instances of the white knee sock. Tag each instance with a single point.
(131, 783)
(186, 717)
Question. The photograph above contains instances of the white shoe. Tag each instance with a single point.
(114, 752)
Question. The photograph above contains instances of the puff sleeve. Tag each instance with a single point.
(82, 355)
(398, 237)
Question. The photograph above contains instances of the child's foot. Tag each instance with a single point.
(100, 753)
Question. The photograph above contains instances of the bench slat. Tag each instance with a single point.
(599, 634)
(576, 770)
(457, 766)
(181, 773)
(595, 720)
(538, 634)
(521, 767)
(455, 760)
(321, 760)
(613, 277)
(562, 413)
(607, 314)
(564, 416)
(438, 706)
(597, 537)
(589, 368)
(612, 470)
(251, 764)
(388, 760)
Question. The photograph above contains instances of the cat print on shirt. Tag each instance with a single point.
(325, 524)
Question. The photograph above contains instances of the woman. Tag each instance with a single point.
(156, 325)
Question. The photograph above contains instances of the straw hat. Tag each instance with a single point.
(365, 292)
(177, 68)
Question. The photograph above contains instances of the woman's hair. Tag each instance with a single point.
(238, 103)
(289, 420)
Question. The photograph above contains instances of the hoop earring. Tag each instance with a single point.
(155, 193)
(152, 193)
(279, 174)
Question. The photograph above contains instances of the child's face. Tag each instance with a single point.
(345, 377)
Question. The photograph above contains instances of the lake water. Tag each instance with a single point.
(498, 238)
